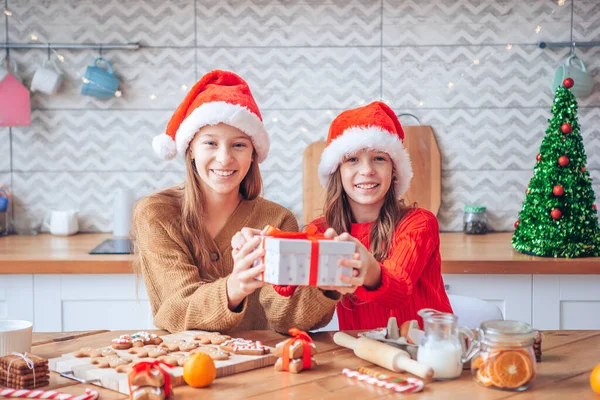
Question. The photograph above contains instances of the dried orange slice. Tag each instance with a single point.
(511, 369)
(477, 363)
(483, 376)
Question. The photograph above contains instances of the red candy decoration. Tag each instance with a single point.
(556, 213)
(558, 190)
(563, 161)
(566, 127)
(568, 83)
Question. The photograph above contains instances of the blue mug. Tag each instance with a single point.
(100, 82)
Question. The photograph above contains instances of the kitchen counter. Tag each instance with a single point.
(461, 254)
(568, 358)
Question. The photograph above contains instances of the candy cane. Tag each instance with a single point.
(410, 385)
(50, 394)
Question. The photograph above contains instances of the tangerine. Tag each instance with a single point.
(595, 379)
(199, 370)
(511, 369)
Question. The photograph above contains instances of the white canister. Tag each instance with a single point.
(123, 211)
(15, 337)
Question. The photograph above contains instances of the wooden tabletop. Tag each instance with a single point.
(567, 360)
(461, 254)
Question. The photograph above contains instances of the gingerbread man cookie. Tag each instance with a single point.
(141, 352)
(296, 365)
(86, 352)
(112, 362)
(156, 351)
(214, 352)
(296, 350)
(244, 347)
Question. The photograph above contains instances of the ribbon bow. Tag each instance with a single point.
(28, 361)
(146, 366)
(311, 235)
(305, 340)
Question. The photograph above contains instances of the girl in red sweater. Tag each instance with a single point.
(366, 169)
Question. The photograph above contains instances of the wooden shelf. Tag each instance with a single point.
(461, 254)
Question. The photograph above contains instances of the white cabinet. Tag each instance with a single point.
(88, 302)
(566, 301)
(16, 297)
(511, 293)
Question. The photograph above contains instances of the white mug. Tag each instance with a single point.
(583, 81)
(62, 223)
(46, 79)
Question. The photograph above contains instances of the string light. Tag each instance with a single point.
(476, 61)
(85, 80)
(152, 96)
(561, 2)
(184, 87)
(275, 119)
(118, 93)
(420, 103)
(538, 29)
(329, 112)
(8, 13)
(361, 102)
(509, 47)
(450, 85)
(303, 129)
(34, 36)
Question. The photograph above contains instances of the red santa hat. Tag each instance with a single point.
(371, 127)
(218, 97)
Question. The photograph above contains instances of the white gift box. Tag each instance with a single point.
(287, 262)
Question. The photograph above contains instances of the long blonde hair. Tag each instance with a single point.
(338, 215)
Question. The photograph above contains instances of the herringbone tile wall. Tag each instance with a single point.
(470, 68)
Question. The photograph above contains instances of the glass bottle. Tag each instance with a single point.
(475, 221)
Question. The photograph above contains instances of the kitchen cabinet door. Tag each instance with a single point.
(511, 293)
(89, 302)
(566, 301)
(16, 297)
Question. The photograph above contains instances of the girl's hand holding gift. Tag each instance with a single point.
(241, 283)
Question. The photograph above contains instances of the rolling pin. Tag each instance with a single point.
(385, 356)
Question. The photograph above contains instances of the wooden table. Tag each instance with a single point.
(568, 357)
(461, 254)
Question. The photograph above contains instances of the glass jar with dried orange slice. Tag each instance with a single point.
(505, 359)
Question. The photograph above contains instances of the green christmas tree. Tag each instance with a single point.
(559, 217)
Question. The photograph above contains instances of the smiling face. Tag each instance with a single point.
(222, 155)
(366, 178)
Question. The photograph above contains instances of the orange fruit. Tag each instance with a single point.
(199, 370)
(511, 369)
(595, 379)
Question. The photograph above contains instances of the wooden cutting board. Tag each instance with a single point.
(110, 379)
(425, 187)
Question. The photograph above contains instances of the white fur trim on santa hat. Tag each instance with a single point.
(355, 139)
(217, 112)
(164, 146)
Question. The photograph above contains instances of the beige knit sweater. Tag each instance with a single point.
(188, 296)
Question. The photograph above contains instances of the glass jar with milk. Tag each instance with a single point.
(441, 347)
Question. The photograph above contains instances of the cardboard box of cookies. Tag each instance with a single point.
(305, 262)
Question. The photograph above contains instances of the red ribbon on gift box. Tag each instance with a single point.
(314, 250)
(302, 337)
(146, 366)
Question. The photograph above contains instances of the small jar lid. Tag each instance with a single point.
(475, 209)
(509, 333)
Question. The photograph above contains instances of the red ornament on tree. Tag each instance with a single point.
(594, 207)
(538, 157)
(558, 190)
(568, 83)
(566, 127)
(563, 161)
(527, 191)
(556, 213)
(582, 169)
(517, 222)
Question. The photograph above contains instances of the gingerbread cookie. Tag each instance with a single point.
(112, 362)
(187, 346)
(87, 352)
(219, 339)
(156, 351)
(141, 352)
(174, 359)
(173, 345)
(124, 369)
(244, 347)
(296, 350)
(147, 338)
(214, 352)
(296, 365)
(122, 343)
(203, 338)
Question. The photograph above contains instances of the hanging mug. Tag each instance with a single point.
(47, 78)
(583, 81)
(100, 82)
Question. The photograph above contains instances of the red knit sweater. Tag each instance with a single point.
(411, 277)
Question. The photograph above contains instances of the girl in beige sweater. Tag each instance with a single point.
(183, 234)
